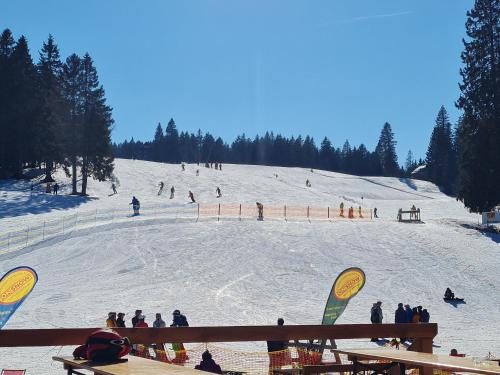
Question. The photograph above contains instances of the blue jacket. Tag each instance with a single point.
(400, 316)
(409, 315)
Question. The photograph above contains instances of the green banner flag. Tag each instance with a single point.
(346, 286)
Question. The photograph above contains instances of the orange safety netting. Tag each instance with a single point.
(282, 212)
(234, 361)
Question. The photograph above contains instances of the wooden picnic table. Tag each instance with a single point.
(428, 360)
(127, 366)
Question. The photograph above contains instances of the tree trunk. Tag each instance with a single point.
(73, 176)
(84, 176)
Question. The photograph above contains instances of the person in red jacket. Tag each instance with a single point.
(141, 323)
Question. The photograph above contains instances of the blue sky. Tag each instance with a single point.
(339, 68)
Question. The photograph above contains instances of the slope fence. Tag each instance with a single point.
(39, 231)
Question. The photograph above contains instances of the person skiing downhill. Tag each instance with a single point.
(172, 192)
(113, 186)
(135, 205)
(218, 192)
(161, 185)
(191, 196)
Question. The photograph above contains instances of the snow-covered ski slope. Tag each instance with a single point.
(251, 272)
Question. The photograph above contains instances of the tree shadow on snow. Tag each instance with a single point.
(408, 183)
(16, 198)
(488, 231)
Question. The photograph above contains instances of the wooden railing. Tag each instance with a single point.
(421, 333)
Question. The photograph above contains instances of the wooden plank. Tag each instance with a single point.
(134, 365)
(428, 360)
(77, 336)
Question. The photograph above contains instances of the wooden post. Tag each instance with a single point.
(240, 213)
(218, 213)
(285, 213)
(308, 214)
(328, 212)
(198, 212)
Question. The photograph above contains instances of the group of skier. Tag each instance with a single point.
(139, 320)
(403, 314)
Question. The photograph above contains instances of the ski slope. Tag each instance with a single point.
(250, 272)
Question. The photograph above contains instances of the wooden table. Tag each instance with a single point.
(403, 358)
(132, 365)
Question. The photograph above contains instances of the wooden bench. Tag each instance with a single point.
(414, 215)
(426, 361)
(127, 366)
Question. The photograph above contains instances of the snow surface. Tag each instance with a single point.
(248, 272)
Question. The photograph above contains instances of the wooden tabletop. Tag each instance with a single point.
(134, 365)
(444, 362)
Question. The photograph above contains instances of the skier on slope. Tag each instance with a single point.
(191, 196)
(161, 185)
(135, 205)
(218, 192)
(172, 192)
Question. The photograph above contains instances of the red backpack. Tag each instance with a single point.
(103, 345)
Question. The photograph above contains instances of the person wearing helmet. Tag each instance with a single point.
(103, 345)
(135, 319)
(120, 322)
(111, 321)
(179, 320)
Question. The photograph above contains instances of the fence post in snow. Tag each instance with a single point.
(239, 215)
(328, 213)
(197, 218)
(285, 212)
(308, 214)
(218, 213)
(371, 214)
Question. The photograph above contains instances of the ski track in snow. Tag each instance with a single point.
(249, 272)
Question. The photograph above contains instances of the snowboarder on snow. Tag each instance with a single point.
(449, 294)
(208, 364)
(172, 192)
(161, 185)
(218, 192)
(191, 196)
(135, 205)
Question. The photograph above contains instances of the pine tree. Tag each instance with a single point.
(172, 142)
(386, 150)
(478, 135)
(6, 49)
(72, 92)
(24, 101)
(440, 159)
(410, 164)
(159, 144)
(326, 155)
(52, 111)
(97, 160)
